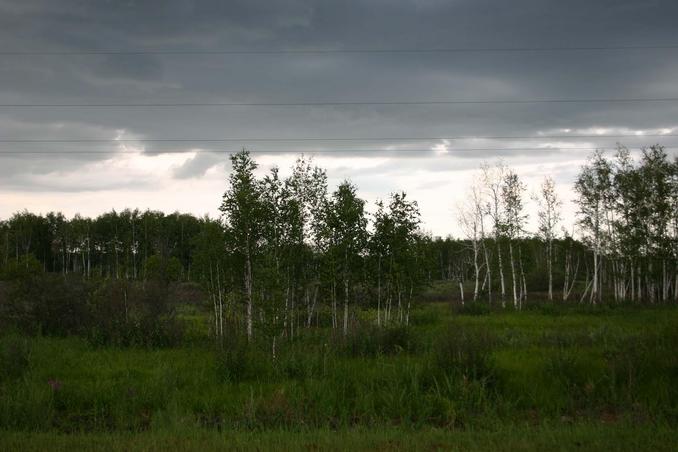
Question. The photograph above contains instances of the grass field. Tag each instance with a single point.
(581, 437)
(551, 378)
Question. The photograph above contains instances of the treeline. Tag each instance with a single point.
(113, 245)
(287, 253)
(627, 223)
(629, 217)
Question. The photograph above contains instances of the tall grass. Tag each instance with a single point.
(451, 371)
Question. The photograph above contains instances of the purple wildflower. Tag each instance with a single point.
(54, 384)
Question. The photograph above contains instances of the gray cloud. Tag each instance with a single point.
(79, 25)
(197, 165)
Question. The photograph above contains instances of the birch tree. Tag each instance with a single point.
(347, 225)
(242, 210)
(593, 187)
(548, 215)
(494, 178)
(514, 220)
(470, 219)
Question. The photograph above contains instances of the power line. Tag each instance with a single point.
(338, 103)
(322, 151)
(93, 52)
(320, 139)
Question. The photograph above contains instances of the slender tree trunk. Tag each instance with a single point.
(566, 276)
(633, 280)
(665, 282)
(594, 290)
(513, 275)
(220, 292)
(501, 275)
(650, 283)
(89, 254)
(248, 289)
(293, 311)
(400, 306)
(213, 295)
(134, 253)
(488, 270)
(522, 276)
(476, 269)
(334, 304)
(573, 279)
(313, 303)
(389, 298)
(287, 305)
(345, 305)
(409, 303)
(639, 285)
(307, 299)
(379, 291)
(586, 290)
(550, 268)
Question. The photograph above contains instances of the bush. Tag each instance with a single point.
(237, 361)
(465, 352)
(14, 357)
(575, 376)
(372, 341)
(125, 314)
(157, 268)
(474, 308)
(51, 304)
(25, 267)
(300, 363)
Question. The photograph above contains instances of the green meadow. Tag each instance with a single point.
(549, 377)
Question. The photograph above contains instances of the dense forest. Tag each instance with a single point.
(287, 251)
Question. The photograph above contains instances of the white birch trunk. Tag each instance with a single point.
(513, 275)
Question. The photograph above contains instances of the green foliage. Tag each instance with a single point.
(157, 268)
(238, 361)
(373, 341)
(474, 308)
(462, 372)
(465, 353)
(14, 357)
(127, 314)
(25, 267)
(48, 303)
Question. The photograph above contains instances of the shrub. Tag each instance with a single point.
(575, 376)
(52, 304)
(465, 352)
(273, 411)
(157, 268)
(125, 313)
(474, 308)
(24, 267)
(301, 363)
(237, 361)
(644, 370)
(14, 357)
(372, 341)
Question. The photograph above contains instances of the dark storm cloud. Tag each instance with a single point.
(43, 26)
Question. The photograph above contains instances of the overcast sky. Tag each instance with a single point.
(192, 177)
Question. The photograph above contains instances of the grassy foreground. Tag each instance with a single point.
(548, 379)
(565, 438)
